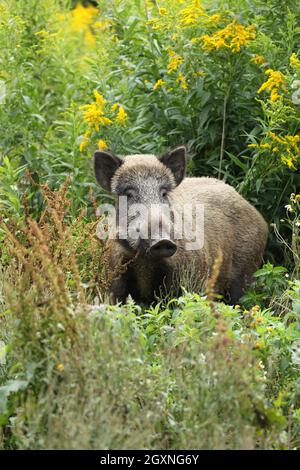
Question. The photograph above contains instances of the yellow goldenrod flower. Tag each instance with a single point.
(294, 61)
(275, 82)
(288, 146)
(182, 80)
(288, 162)
(93, 113)
(214, 19)
(274, 96)
(121, 116)
(102, 145)
(114, 107)
(258, 59)
(99, 98)
(265, 146)
(232, 37)
(158, 83)
(174, 61)
(82, 17)
(189, 16)
(162, 11)
(85, 140)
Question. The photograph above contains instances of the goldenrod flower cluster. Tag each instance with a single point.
(182, 81)
(175, 61)
(286, 147)
(158, 83)
(294, 61)
(95, 115)
(258, 59)
(81, 17)
(188, 16)
(274, 84)
(232, 37)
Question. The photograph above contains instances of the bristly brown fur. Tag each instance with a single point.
(232, 227)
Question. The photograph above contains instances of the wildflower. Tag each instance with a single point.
(294, 61)
(255, 308)
(275, 82)
(121, 116)
(93, 113)
(232, 37)
(289, 208)
(162, 11)
(81, 18)
(253, 145)
(258, 59)
(188, 16)
(214, 19)
(85, 140)
(237, 307)
(265, 146)
(174, 61)
(114, 107)
(288, 161)
(182, 80)
(158, 83)
(60, 367)
(99, 98)
(102, 145)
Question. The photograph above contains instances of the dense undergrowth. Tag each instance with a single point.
(139, 77)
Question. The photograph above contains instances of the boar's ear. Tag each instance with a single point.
(105, 166)
(175, 160)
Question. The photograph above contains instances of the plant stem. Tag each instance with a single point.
(223, 134)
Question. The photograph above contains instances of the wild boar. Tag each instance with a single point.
(233, 230)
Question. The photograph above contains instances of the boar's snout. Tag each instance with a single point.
(163, 248)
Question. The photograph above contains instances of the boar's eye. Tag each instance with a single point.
(164, 192)
(129, 192)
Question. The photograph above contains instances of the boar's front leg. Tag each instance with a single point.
(121, 287)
